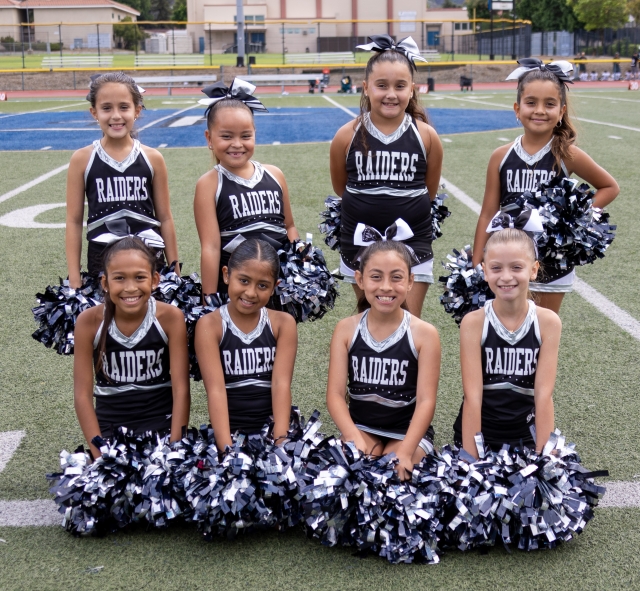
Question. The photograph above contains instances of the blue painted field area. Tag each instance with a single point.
(73, 130)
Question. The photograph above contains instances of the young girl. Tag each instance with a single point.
(239, 198)
(137, 348)
(546, 149)
(390, 361)
(246, 352)
(124, 182)
(509, 353)
(387, 165)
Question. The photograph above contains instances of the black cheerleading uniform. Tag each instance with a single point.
(133, 387)
(120, 197)
(509, 364)
(247, 208)
(247, 364)
(386, 180)
(520, 172)
(383, 378)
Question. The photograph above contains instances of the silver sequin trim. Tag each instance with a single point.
(252, 382)
(509, 386)
(256, 177)
(525, 156)
(255, 227)
(123, 213)
(510, 337)
(140, 332)
(386, 139)
(381, 400)
(389, 191)
(119, 166)
(247, 339)
(111, 390)
(392, 339)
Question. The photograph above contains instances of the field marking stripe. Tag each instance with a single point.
(42, 110)
(152, 123)
(613, 312)
(337, 104)
(33, 183)
(608, 98)
(43, 512)
(9, 443)
(621, 495)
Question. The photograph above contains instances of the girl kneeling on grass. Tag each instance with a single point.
(247, 352)
(509, 353)
(137, 348)
(390, 361)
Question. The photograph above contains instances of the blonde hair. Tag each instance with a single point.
(512, 235)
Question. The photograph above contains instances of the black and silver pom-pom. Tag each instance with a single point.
(58, 310)
(465, 287)
(575, 233)
(331, 224)
(306, 288)
(439, 213)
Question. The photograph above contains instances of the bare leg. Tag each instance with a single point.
(551, 301)
(415, 298)
(373, 444)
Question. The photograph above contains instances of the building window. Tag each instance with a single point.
(457, 26)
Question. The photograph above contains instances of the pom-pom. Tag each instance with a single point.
(129, 482)
(58, 310)
(575, 233)
(465, 287)
(520, 497)
(439, 213)
(306, 288)
(331, 224)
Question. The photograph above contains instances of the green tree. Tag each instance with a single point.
(142, 6)
(600, 14)
(161, 10)
(179, 10)
(129, 35)
(633, 8)
(481, 8)
(449, 4)
(548, 15)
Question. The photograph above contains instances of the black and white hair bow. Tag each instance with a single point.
(406, 46)
(399, 231)
(240, 90)
(119, 229)
(94, 77)
(562, 69)
(528, 221)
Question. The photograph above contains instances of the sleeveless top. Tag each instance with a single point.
(119, 192)
(133, 387)
(247, 208)
(386, 181)
(520, 172)
(247, 363)
(383, 378)
(509, 364)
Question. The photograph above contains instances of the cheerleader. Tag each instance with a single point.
(545, 149)
(508, 353)
(389, 361)
(239, 198)
(388, 164)
(124, 183)
(246, 352)
(136, 347)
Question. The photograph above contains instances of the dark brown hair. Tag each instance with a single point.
(382, 246)
(258, 250)
(128, 243)
(564, 135)
(115, 78)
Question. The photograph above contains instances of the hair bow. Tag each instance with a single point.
(406, 46)
(528, 221)
(398, 231)
(240, 90)
(94, 77)
(562, 69)
(119, 229)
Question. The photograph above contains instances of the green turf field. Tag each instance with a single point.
(596, 391)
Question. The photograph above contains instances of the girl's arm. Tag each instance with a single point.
(584, 166)
(204, 209)
(434, 157)
(85, 331)
(292, 232)
(550, 330)
(337, 382)
(490, 203)
(208, 333)
(338, 158)
(286, 349)
(162, 205)
(75, 213)
(471, 364)
(172, 322)
(427, 342)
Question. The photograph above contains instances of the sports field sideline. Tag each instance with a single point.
(596, 392)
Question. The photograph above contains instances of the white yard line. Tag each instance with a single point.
(152, 123)
(608, 98)
(43, 110)
(42, 512)
(9, 443)
(33, 183)
(337, 104)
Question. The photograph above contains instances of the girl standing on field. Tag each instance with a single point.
(387, 166)
(509, 353)
(390, 362)
(545, 150)
(239, 198)
(136, 347)
(125, 183)
(246, 352)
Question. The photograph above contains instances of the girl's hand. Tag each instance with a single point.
(358, 440)
(75, 281)
(404, 467)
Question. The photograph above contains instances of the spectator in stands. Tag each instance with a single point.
(634, 65)
(606, 76)
(616, 67)
(593, 77)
